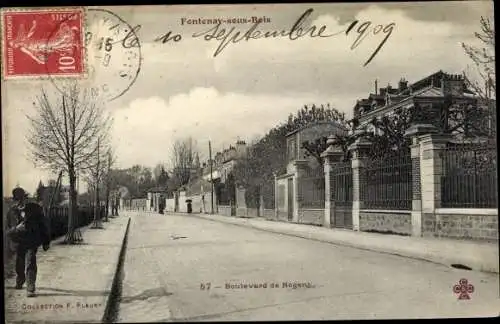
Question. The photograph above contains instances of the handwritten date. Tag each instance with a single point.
(225, 36)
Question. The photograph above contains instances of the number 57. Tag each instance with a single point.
(205, 286)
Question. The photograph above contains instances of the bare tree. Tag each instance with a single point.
(63, 135)
(97, 178)
(183, 160)
(483, 57)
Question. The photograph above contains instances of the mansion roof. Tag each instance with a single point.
(436, 86)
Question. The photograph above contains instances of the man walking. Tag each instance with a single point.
(27, 228)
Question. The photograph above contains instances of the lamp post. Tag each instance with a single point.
(211, 178)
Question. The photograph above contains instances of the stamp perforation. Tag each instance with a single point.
(46, 76)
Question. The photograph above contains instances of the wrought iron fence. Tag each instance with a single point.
(59, 218)
(388, 182)
(225, 194)
(341, 183)
(469, 178)
(312, 188)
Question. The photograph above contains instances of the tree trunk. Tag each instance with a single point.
(97, 210)
(107, 205)
(73, 235)
(106, 212)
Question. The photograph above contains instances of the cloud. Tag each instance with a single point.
(145, 130)
(315, 65)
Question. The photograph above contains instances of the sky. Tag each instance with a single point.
(182, 90)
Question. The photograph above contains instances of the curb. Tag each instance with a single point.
(470, 260)
(112, 304)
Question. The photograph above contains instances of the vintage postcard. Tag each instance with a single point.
(241, 162)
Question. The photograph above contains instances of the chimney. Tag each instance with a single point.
(453, 84)
(240, 148)
(376, 86)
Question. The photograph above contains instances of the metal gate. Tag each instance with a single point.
(341, 194)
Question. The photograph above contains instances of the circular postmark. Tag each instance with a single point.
(112, 56)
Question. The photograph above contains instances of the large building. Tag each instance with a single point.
(428, 93)
(224, 162)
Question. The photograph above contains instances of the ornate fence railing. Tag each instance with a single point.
(312, 188)
(469, 178)
(387, 183)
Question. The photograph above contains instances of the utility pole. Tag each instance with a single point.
(97, 210)
(211, 178)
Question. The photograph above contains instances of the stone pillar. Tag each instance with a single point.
(431, 170)
(241, 205)
(415, 132)
(297, 197)
(359, 151)
(330, 156)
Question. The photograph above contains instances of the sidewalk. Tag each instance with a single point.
(73, 281)
(476, 255)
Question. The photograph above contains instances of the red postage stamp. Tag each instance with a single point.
(41, 42)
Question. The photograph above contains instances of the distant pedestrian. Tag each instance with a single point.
(28, 230)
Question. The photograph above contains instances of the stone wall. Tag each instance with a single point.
(476, 227)
(269, 214)
(170, 205)
(311, 216)
(225, 210)
(282, 216)
(247, 212)
(252, 212)
(385, 222)
(241, 211)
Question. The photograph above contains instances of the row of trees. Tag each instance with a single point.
(70, 133)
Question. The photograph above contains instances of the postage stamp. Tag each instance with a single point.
(38, 42)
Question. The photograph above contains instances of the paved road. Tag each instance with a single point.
(169, 257)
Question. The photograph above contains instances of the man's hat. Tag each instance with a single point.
(18, 193)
